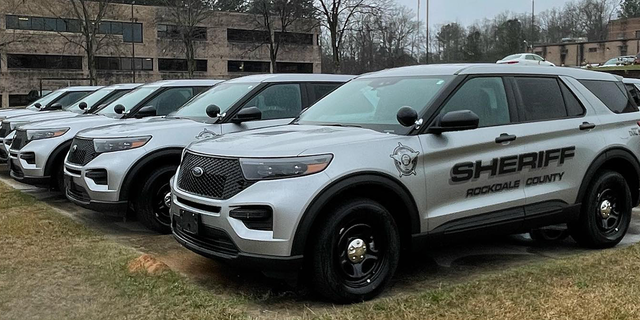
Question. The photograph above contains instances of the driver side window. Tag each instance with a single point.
(278, 101)
(486, 97)
(170, 100)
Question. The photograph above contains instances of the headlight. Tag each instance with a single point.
(119, 144)
(267, 168)
(45, 133)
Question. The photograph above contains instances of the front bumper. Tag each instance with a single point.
(223, 237)
(34, 174)
(98, 197)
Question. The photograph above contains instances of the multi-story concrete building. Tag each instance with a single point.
(40, 44)
(623, 38)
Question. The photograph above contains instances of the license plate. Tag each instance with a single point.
(190, 222)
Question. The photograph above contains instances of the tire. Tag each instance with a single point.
(57, 181)
(149, 204)
(595, 227)
(548, 236)
(333, 274)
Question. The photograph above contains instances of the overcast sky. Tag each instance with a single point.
(468, 11)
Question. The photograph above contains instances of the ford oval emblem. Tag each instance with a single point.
(197, 172)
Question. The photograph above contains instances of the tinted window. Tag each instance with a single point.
(485, 97)
(540, 99)
(614, 97)
(574, 107)
(223, 95)
(170, 100)
(321, 89)
(530, 57)
(71, 98)
(633, 92)
(278, 101)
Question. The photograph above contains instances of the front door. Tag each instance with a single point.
(472, 177)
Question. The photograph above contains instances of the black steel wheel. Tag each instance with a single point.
(151, 205)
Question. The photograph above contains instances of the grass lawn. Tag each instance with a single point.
(53, 268)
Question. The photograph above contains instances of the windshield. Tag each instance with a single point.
(90, 99)
(374, 103)
(129, 101)
(44, 101)
(223, 95)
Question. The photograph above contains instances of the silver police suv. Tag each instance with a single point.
(129, 165)
(38, 149)
(88, 104)
(403, 157)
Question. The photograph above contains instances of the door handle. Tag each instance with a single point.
(505, 137)
(587, 126)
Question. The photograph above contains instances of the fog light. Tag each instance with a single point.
(254, 217)
(99, 176)
(29, 157)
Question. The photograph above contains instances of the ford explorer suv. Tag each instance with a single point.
(404, 157)
(88, 104)
(37, 153)
(53, 101)
(131, 164)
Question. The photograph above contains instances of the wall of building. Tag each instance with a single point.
(217, 50)
(579, 54)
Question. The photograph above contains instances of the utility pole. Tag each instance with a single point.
(533, 22)
(133, 45)
(428, 36)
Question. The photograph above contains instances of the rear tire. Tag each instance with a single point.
(606, 212)
(149, 204)
(355, 253)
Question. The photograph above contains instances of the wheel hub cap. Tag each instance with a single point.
(356, 251)
(167, 200)
(605, 209)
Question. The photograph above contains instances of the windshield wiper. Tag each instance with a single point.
(342, 125)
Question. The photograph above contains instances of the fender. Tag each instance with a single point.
(601, 159)
(62, 148)
(141, 165)
(336, 188)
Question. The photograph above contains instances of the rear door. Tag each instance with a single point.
(561, 140)
(472, 177)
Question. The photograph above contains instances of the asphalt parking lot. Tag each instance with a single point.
(447, 264)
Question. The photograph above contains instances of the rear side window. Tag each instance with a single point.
(319, 90)
(540, 99)
(574, 107)
(613, 96)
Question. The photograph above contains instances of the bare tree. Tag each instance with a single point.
(338, 18)
(83, 19)
(185, 21)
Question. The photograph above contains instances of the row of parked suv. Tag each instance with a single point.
(379, 166)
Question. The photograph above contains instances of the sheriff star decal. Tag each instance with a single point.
(205, 134)
(405, 159)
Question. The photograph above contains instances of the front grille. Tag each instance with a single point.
(208, 238)
(20, 140)
(5, 129)
(77, 192)
(221, 179)
(82, 151)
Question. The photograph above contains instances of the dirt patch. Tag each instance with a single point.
(148, 264)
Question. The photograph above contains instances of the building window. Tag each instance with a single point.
(623, 50)
(593, 49)
(132, 32)
(180, 65)
(124, 29)
(637, 34)
(35, 61)
(295, 38)
(114, 63)
(252, 36)
(19, 100)
(248, 66)
(294, 67)
(167, 31)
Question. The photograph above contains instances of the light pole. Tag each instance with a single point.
(533, 22)
(428, 36)
(133, 45)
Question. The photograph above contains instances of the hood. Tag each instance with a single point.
(14, 113)
(78, 120)
(42, 116)
(149, 127)
(285, 141)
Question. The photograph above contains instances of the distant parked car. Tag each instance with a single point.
(525, 59)
(619, 61)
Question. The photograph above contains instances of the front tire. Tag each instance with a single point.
(356, 252)
(606, 212)
(150, 205)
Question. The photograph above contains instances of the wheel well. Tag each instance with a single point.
(389, 193)
(617, 160)
(56, 157)
(133, 180)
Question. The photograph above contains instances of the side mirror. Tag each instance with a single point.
(407, 116)
(213, 111)
(55, 106)
(82, 105)
(37, 105)
(148, 111)
(119, 109)
(455, 121)
(247, 114)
